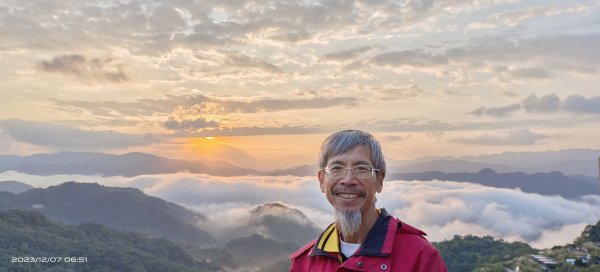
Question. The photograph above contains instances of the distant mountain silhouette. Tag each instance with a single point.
(553, 183)
(576, 162)
(128, 165)
(449, 166)
(121, 208)
(570, 162)
(14, 187)
(300, 171)
(442, 165)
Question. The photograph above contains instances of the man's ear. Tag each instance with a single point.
(321, 176)
(380, 176)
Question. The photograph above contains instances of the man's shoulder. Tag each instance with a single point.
(413, 236)
(408, 229)
(303, 250)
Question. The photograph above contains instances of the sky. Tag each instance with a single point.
(261, 83)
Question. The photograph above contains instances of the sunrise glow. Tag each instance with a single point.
(452, 79)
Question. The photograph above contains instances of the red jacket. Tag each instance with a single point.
(390, 246)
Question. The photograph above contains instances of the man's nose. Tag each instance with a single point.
(348, 178)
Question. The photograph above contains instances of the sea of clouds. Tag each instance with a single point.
(440, 208)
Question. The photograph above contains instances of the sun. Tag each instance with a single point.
(204, 145)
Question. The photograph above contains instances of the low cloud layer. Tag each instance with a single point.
(440, 208)
(69, 138)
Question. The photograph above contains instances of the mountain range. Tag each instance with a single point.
(569, 162)
(568, 173)
(273, 232)
(276, 230)
(553, 183)
(127, 165)
(120, 208)
(14, 187)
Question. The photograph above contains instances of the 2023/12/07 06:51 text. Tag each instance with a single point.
(30, 259)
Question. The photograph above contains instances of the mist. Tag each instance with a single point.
(440, 208)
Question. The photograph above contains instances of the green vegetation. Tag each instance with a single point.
(31, 234)
(126, 209)
(479, 254)
(472, 253)
(591, 233)
(583, 246)
(256, 250)
(26, 233)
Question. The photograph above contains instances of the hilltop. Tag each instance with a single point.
(14, 187)
(120, 208)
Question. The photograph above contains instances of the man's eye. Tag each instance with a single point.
(336, 168)
(362, 169)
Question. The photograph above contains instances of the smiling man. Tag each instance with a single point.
(363, 237)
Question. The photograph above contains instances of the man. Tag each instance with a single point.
(362, 238)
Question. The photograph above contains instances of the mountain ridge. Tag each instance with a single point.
(127, 165)
(552, 183)
(569, 161)
(85, 247)
(121, 208)
(14, 187)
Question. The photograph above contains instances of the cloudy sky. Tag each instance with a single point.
(260, 83)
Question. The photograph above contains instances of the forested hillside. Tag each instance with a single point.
(472, 253)
(85, 247)
(469, 253)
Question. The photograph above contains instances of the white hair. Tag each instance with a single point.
(348, 222)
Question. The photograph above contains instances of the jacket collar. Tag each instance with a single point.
(378, 242)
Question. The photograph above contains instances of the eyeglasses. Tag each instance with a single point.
(359, 171)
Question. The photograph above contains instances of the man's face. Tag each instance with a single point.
(349, 193)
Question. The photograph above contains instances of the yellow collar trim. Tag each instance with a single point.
(330, 240)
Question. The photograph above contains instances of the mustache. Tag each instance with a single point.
(349, 191)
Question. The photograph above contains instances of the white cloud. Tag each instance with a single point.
(545, 104)
(496, 111)
(190, 125)
(580, 104)
(441, 208)
(516, 137)
(97, 69)
(448, 207)
(549, 103)
(518, 17)
(530, 73)
(201, 104)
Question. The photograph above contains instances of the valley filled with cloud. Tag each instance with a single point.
(440, 208)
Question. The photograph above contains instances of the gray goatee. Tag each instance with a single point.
(348, 222)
